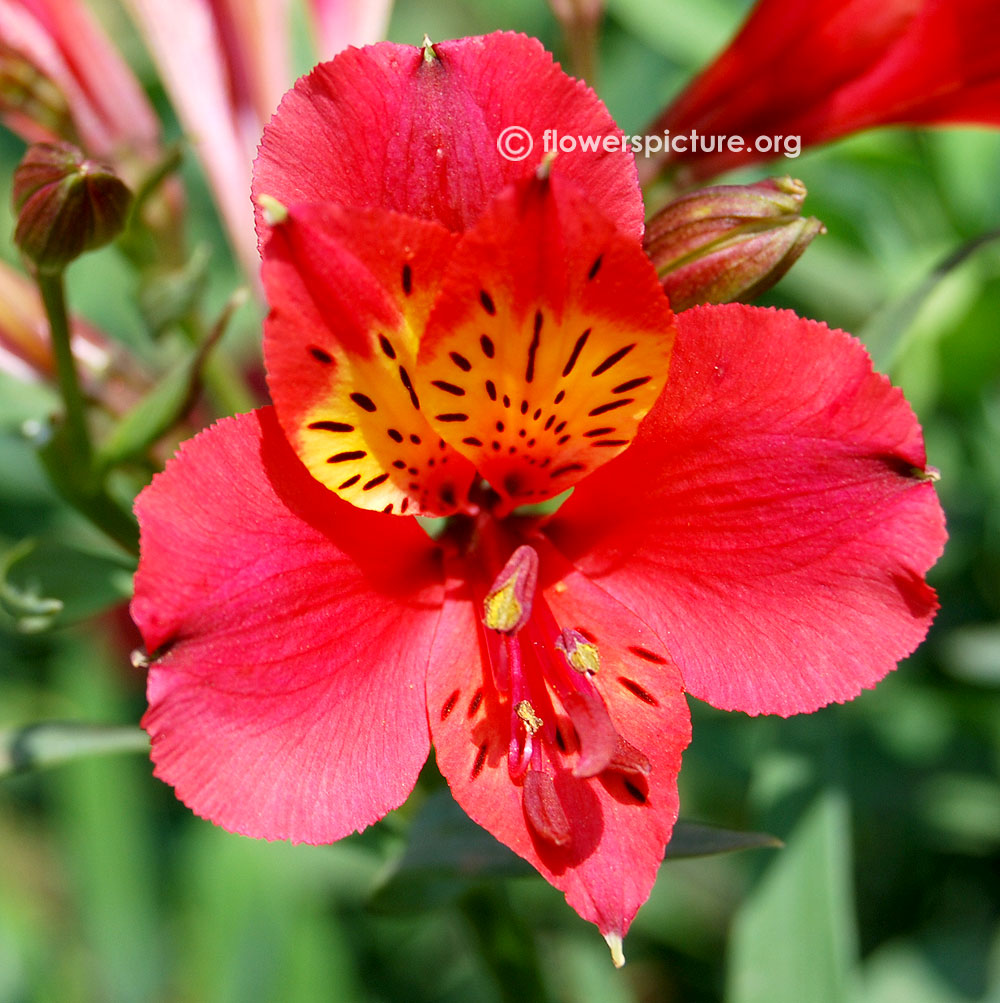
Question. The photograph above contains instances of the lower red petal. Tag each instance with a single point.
(771, 521)
(598, 839)
(289, 635)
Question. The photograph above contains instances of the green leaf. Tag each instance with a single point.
(52, 584)
(887, 333)
(167, 298)
(167, 402)
(48, 743)
(446, 852)
(693, 840)
(794, 939)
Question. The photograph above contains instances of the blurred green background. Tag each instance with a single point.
(888, 888)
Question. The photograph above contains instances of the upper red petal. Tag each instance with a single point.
(770, 520)
(383, 126)
(350, 290)
(548, 344)
(289, 633)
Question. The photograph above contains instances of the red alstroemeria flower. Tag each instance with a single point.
(754, 529)
(833, 67)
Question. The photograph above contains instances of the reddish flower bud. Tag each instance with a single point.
(65, 205)
(729, 243)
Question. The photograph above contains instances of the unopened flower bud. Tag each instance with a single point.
(65, 205)
(729, 243)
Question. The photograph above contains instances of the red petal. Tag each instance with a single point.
(383, 126)
(290, 634)
(832, 67)
(618, 823)
(770, 521)
(350, 291)
(549, 343)
(946, 68)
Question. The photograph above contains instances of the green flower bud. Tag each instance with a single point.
(65, 205)
(729, 243)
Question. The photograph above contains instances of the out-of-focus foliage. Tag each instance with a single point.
(887, 889)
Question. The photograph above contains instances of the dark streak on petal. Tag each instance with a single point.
(636, 690)
(449, 704)
(575, 354)
(649, 656)
(375, 482)
(386, 346)
(364, 402)
(529, 373)
(610, 406)
(404, 377)
(448, 388)
(332, 426)
(477, 699)
(623, 388)
(613, 359)
(477, 766)
(567, 468)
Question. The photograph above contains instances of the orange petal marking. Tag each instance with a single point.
(350, 292)
(549, 343)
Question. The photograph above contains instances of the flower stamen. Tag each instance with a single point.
(507, 607)
(532, 722)
(580, 654)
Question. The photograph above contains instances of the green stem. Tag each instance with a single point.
(53, 293)
(69, 457)
(221, 377)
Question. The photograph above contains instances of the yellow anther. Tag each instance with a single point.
(507, 606)
(580, 653)
(585, 658)
(532, 722)
(502, 611)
